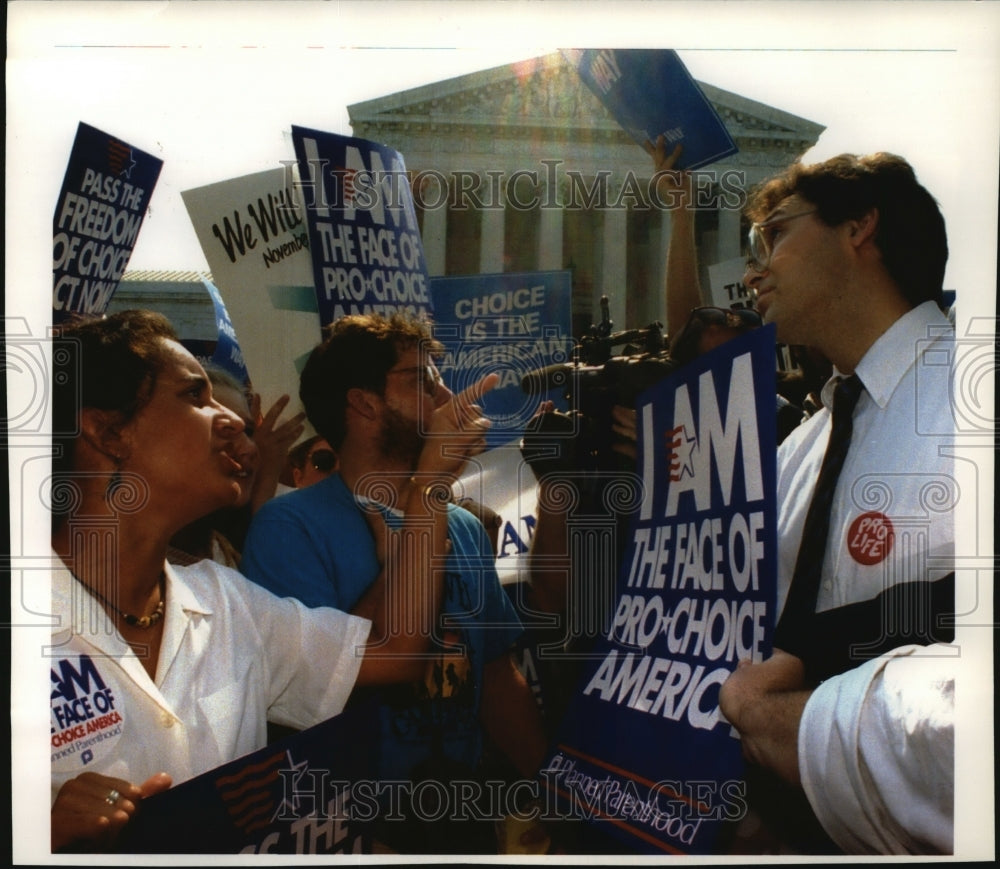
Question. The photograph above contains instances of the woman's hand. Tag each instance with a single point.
(273, 440)
(91, 809)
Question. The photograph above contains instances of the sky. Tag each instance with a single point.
(213, 88)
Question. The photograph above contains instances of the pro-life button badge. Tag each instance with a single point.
(870, 537)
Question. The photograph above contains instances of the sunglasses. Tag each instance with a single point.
(685, 348)
(761, 238)
(322, 460)
(734, 318)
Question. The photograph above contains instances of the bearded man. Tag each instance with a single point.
(372, 390)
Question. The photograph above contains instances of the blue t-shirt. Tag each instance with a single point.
(315, 544)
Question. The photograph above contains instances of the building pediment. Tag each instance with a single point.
(544, 97)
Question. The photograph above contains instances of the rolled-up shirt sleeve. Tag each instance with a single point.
(877, 754)
(314, 658)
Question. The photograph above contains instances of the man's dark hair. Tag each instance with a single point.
(911, 233)
(357, 353)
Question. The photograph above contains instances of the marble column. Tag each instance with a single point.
(614, 265)
(657, 303)
(550, 239)
(729, 244)
(434, 233)
(491, 242)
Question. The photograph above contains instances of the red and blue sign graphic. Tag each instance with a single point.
(301, 795)
(363, 233)
(104, 197)
(643, 750)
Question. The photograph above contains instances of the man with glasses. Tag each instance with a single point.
(372, 390)
(848, 257)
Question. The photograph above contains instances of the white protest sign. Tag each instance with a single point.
(725, 284)
(254, 237)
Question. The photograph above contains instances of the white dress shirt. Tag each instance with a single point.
(898, 468)
(877, 754)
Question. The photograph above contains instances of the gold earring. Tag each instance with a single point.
(114, 482)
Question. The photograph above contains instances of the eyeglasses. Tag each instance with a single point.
(761, 240)
(323, 460)
(430, 376)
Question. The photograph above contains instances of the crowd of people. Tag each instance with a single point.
(252, 559)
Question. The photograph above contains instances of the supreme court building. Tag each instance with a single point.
(520, 168)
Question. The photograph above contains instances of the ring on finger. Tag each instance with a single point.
(112, 797)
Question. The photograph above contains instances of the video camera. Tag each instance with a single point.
(594, 382)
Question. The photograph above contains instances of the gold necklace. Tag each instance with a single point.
(141, 622)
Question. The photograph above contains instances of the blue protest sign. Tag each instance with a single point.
(104, 196)
(306, 794)
(651, 93)
(227, 354)
(643, 750)
(511, 324)
(365, 241)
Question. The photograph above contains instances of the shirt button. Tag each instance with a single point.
(827, 585)
(168, 719)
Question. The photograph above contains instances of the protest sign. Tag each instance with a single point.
(510, 324)
(727, 290)
(309, 793)
(651, 93)
(253, 234)
(366, 250)
(695, 596)
(103, 200)
(224, 352)
(725, 284)
(504, 482)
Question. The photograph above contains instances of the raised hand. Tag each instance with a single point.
(673, 186)
(457, 430)
(273, 440)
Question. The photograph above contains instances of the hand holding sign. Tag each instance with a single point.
(765, 702)
(91, 810)
(673, 186)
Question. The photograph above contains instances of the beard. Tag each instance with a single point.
(400, 439)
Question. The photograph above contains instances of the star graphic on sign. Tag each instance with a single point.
(289, 805)
(129, 166)
(680, 453)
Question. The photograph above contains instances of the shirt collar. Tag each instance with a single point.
(894, 353)
(180, 596)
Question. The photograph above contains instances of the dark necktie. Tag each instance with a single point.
(804, 590)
